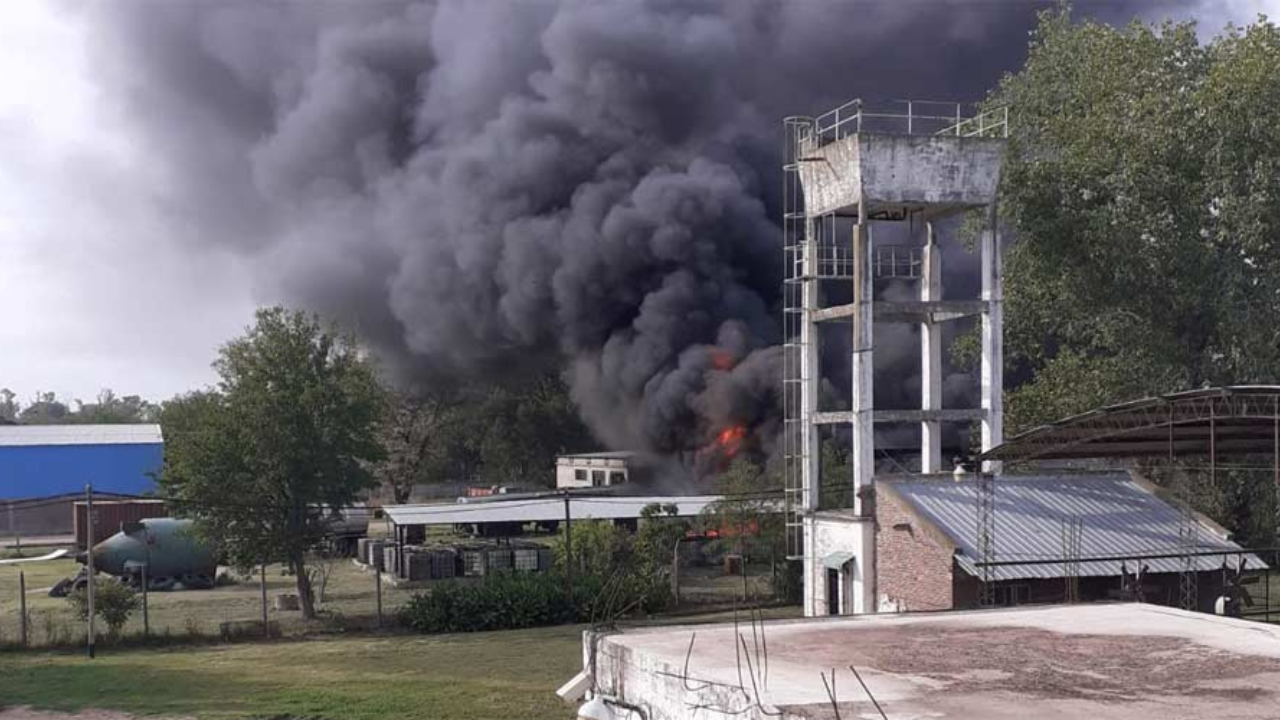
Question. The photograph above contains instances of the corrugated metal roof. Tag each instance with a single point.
(39, 435)
(607, 455)
(1119, 517)
(544, 509)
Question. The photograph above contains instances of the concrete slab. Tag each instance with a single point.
(1103, 662)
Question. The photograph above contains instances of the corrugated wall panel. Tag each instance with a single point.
(43, 471)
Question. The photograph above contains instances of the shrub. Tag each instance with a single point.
(598, 547)
(113, 601)
(505, 601)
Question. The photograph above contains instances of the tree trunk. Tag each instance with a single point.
(306, 600)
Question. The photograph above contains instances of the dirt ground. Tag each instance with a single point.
(23, 713)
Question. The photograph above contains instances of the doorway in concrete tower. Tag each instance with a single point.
(833, 591)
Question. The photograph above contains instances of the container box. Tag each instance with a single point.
(499, 559)
(376, 558)
(109, 515)
(525, 559)
(473, 563)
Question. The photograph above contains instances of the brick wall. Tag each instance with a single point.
(913, 560)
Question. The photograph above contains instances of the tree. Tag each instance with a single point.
(45, 409)
(1142, 187)
(525, 430)
(289, 435)
(8, 406)
(113, 409)
(1142, 183)
(421, 440)
(747, 506)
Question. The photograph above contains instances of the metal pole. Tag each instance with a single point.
(568, 548)
(377, 590)
(22, 605)
(146, 615)
(262, 588)
(88, 512)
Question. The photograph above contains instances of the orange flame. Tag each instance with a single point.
(730, 439)
(721, 360)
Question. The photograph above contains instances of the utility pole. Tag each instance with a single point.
(88, 519)
(568, 548)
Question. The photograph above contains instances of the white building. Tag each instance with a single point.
(600, 469)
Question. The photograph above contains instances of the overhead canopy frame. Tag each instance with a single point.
(1224, 422)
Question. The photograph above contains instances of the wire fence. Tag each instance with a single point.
(249, 604)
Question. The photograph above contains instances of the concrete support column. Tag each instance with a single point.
(810, 440)
(863, 405)
(992, 341)
(931, 356)
(810, 474)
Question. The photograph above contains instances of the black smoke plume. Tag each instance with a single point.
(487, 189)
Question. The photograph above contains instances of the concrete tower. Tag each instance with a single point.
(845, 172)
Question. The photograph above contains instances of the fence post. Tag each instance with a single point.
(262, 586)
(146, 611)
(22, 606)
(377, 590)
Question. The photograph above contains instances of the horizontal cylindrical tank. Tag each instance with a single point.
(167, 546)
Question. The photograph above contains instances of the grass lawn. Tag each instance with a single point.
(476, 676)
(350, 593)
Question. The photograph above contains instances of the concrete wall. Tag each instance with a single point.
(644, 680)
(568, 469)
(914, 560)
(909, 170)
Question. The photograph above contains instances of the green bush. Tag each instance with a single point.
(113, 601)
(505, 601)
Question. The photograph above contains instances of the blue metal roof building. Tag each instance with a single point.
(46, 460)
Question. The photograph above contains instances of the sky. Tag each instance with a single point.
(94, 291)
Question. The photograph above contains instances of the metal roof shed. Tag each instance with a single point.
(543, 509)
(1120, 517)
(39, 461)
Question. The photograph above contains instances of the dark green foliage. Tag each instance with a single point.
(113, 601)
(505, 601)
(483, 433)
(599, 546)
(47, 409)
(290, 431)
(837, 477)
(1142, 188)
(639, 565)
(1142, 184)
(788, 582)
